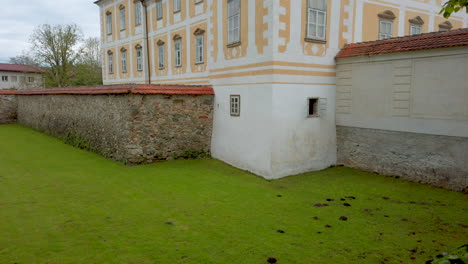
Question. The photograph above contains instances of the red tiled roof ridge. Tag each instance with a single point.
(122, 89)
(9, 67)
(431, 40)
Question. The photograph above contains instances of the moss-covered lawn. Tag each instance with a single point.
(59, 204)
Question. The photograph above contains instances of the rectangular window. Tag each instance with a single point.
(313, 107)
(176, 5)
(233, 21)
(385, 29)
(317, 19)
(137, 14)
(4, 78)
(124, 61)
(111, 63)
(235, 105)
(139, 58)
(415, 29)
(122, 19)
(161, 56)
(30, 79)
(178, 53)
(199, 43)
(159, 9)
(14, 79)
(109, 23)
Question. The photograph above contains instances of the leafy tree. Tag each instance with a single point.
(88, 69)
(55, 48)
(453, 6)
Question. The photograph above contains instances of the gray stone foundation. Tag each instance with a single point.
(437, 160)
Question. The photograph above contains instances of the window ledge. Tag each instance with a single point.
(320, 41)
(109, 34)
(123, 29)
(234, 44)
(199, 63)
(160, 18)
(162, 68)
(178, 11)
(196, 3)
(312, 116)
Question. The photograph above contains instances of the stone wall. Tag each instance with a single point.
(8, 106)
(130, 128)
(438, 160)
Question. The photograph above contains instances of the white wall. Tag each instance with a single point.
(421, 92)
(20, 83)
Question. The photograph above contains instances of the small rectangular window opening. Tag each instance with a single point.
(235, 105)
(313, 107)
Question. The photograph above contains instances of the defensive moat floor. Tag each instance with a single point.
(59, 204)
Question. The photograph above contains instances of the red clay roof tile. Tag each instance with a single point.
(122, 89)
(435, 40)
(20, 68)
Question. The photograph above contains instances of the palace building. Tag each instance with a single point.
(271, 64)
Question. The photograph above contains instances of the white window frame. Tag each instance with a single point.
(178, 53)
(110, 61)
(199, 49)
(137, 13)
(161, 56)
(233, 21)
(316, 29)
(159, 10)
(177, 5)
(382, 24)
(123, 23)
(14, 78)
(109, 23)
(139, 58)
(123, 57)
(235, 104)
(415, 29)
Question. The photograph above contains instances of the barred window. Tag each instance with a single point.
(159, 10)
(233, 21)
(317, 19)
(178, 52)
(235, 105)
(176, 5)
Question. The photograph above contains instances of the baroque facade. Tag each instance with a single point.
(270, 62)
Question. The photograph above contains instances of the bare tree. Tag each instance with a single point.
(55, 47)
(25, 58)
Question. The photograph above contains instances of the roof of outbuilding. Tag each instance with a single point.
(123, 89)
(435, 40)
(20, 68)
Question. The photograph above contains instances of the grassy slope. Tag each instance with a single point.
(59, 204)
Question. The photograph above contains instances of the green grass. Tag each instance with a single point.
(59, 204)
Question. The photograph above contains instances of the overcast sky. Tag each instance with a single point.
(22, 16)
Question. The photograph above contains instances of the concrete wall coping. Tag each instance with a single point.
(120, 89)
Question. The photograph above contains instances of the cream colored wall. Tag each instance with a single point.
(421, 92)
